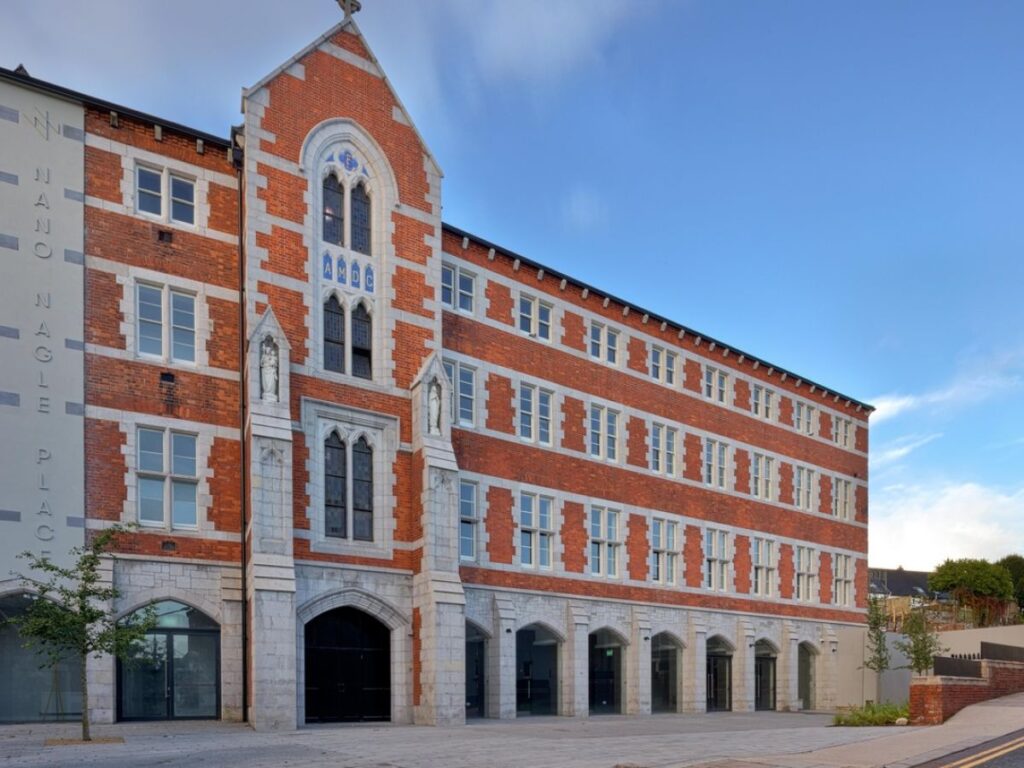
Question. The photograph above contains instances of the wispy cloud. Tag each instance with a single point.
(536, 41)
(919, 526)
(980, 382)
(894, 450)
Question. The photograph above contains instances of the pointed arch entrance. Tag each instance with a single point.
(807, 657)
(476, 671)
(666, 652)
(536, 671)
(606, 672)
(348, 667)
(719, 672)
(765, 655)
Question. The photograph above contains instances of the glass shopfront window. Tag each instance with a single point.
(29, 693)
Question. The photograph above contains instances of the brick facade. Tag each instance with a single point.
(263, 281)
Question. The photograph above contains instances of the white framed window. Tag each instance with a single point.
(762, 402)
(716, 559)
(805, 566)
(803, 488)
(762, 556)
(166, 323)
(716, 384)
(154, 186)
(534, 317)
(663, 365)
(762, 477)
(535, 414)
(604, 433)
(463, 379)
(805, 418)
(664, 551)
(458, 288)
(535, 530)
(841, 492)
(604, 343)
(842, 431)
(468, 520)
(842, 580)
(716, 463)
(605, 543)
(168, 478)
(663, 449)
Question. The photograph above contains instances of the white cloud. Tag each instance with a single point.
(999, 376)
(919, 526)
(894, 450)
(537, 41)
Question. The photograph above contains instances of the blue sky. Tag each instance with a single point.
(834, 187)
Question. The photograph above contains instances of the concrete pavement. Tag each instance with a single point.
(749, 740)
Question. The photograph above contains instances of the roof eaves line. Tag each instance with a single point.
(93, 101)
(654, 316)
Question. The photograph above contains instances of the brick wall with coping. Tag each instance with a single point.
(935, 699)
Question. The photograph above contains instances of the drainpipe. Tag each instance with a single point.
(238, 160)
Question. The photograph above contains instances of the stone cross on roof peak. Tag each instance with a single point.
(349, 7)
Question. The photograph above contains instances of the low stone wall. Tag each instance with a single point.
(934, 700)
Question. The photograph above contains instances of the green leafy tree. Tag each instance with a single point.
(1015, 565)
(921, 644)
(71, 615)
(982, 586)
(878, 652)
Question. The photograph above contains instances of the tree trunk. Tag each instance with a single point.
(85, 699)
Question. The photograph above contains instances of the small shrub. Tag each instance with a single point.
(872, 714)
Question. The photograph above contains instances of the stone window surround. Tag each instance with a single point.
(129, 424)
(555, 527)
(349, 301)
(319, 419)
(204, 329)
(333, 137)
(133, 157)
(730, 558)
(483, 369)
(555, 416)
(457, 271)
(627, 332)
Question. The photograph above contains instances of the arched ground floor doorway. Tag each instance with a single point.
(764, 675)
(173, 673)
(536, 671)
(476, 671)
(807, 657)
(665, 676)
(348, 667)
(606, 650)
(719, 675)
(29, 693)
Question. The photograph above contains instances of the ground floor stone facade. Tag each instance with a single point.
(492, 653)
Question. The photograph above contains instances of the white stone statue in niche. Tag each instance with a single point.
(268, 370)
(434, 408)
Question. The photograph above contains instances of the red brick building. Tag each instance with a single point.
(385, 469)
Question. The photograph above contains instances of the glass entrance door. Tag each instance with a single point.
(476, 659)
(536, 671)
(719, 683)
(664, 674)
(764, 682)
(173, 672)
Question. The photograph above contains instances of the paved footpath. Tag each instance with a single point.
(663, 741)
